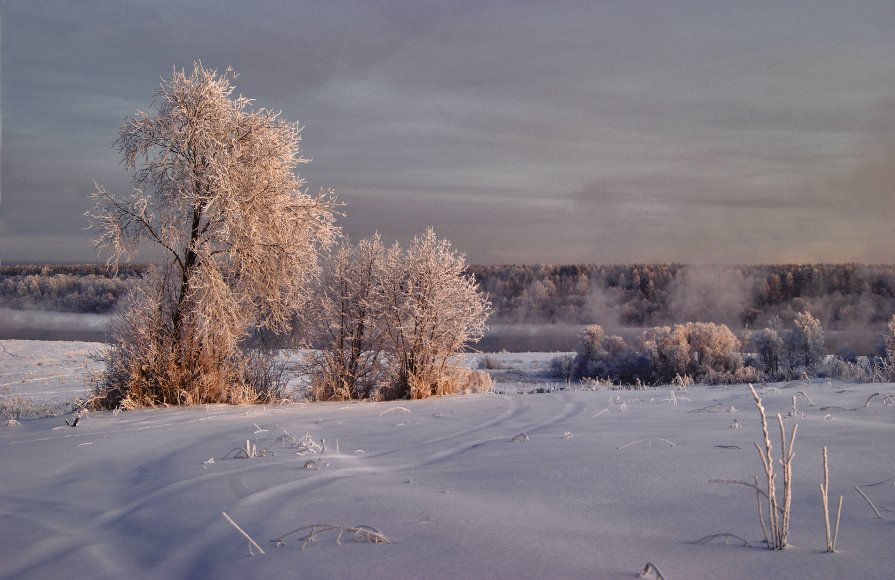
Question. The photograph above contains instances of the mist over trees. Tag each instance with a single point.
(85, 288)
(843, 296)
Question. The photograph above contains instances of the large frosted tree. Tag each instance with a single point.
(217, 193)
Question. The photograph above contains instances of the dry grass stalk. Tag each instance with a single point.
(764, 528)
(887, 399)
(716, 408)
(648, 441)
(825, 497)
(778, 516)
(252, 543)
(395, 410)
(867, 499)
(727, 537)
(248, 452)
(360, 533)
(760, 492)
(655, 570)
(807, 398)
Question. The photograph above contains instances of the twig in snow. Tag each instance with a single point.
(807, 398)
(870, 503)
(655, 569)
(825, 498)
(308, 445)
(727, 536)
(648, 441)
(795, 413)
(888, 399)
(778, 523)
(394, 409)
(245, 535)
(360, 533)
(248, 452)
(739, 482)
(716, 408)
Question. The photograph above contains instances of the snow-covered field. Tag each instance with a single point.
(601, 483)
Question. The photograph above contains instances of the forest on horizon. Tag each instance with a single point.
(842, 296)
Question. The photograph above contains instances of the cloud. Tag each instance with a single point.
(560, 132)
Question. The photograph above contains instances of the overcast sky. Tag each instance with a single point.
(528, 132)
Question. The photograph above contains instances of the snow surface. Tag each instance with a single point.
(140, 493)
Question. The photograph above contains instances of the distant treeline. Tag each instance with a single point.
(85, 288)
(843, 296)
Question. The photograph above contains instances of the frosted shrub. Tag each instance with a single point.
(669, 349)
(860, 370)
(694, 348)
(343, 323)
(741, 375)
(389, 323)
(713, 348)
(587, 357)
(563, 367)
(804, 343)
(888, 366)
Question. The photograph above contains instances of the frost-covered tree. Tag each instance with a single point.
(694, 348)
(343, 323)
(769, 347)
(589, 347)
(889, 340)
(431, 310)
(803, 344)
(713, 347)
(217, 193)
(669, 349)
